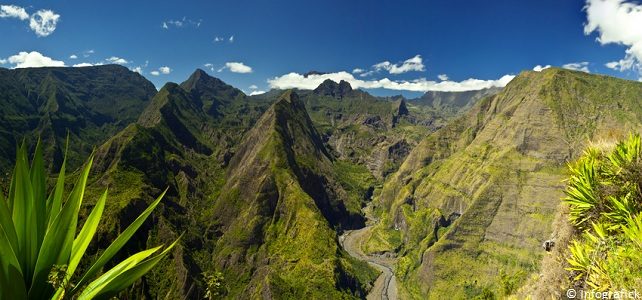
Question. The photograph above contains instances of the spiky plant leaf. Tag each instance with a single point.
(120, 241)
(57, 243)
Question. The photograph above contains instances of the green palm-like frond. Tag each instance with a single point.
(38, 235)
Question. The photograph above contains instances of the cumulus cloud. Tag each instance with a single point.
(13, 11)
(617, 22)
(442, 77)
(140, 69)
(358, 71)
(254, 93)
(540, 68)
(231, 39)
(578, 66)
(44, 22)
(412, 64)
(236, 67)
(3, 61)
(116, 60)
(295, 80)
(88, 53)
(73, 56)
(218, 39)
(33, 59)
(162, 70)
(253, 87)
(82, 65)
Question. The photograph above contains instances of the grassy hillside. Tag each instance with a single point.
(91, 104)
(488, 185)
(277, 211)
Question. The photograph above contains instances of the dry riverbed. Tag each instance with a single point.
(385, 286)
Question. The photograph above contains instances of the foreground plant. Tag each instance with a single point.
(604, 193)
(39, 248)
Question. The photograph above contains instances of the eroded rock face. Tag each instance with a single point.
(501, 167)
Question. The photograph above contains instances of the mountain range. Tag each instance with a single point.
(460, 188)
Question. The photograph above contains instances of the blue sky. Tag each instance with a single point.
(401, 46)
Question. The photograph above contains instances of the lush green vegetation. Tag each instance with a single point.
(87, 105)
(500, 169)
(41, 247)
(605, 197)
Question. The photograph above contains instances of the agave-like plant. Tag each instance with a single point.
(39, 248)
(604, 193)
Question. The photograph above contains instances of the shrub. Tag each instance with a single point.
(604, 194)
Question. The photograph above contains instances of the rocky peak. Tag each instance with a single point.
(200, 79)
(333, 89)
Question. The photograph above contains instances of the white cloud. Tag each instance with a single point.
(540, 68)
(442, 77)
(358, 71)
(82, 65)
(44, 22)
(139, 69)
(162, 70)
(117, 60)
(412, 64)
(3, 61)
(236, 67)
(231, 39)
(209, 66)
(627, 63)
(13, 11)
(33, 59)
(295, 80)
(366, 74)
(578, 66)
(73, 56)
(254, 93)
(617, 22)
(88, 53)
(218, 39)
(184, 22)
(253, 87)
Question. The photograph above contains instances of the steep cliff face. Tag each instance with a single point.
(277, 211)
(495, 176)
(181, 143)
(90, 104)
(273, 203)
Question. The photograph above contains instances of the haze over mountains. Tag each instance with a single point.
(460, 187)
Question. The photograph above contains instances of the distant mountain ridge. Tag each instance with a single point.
(91, 104)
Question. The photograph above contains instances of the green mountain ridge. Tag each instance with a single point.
(91, 104)
(278, 209)
(495, 174)
(200, 153)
